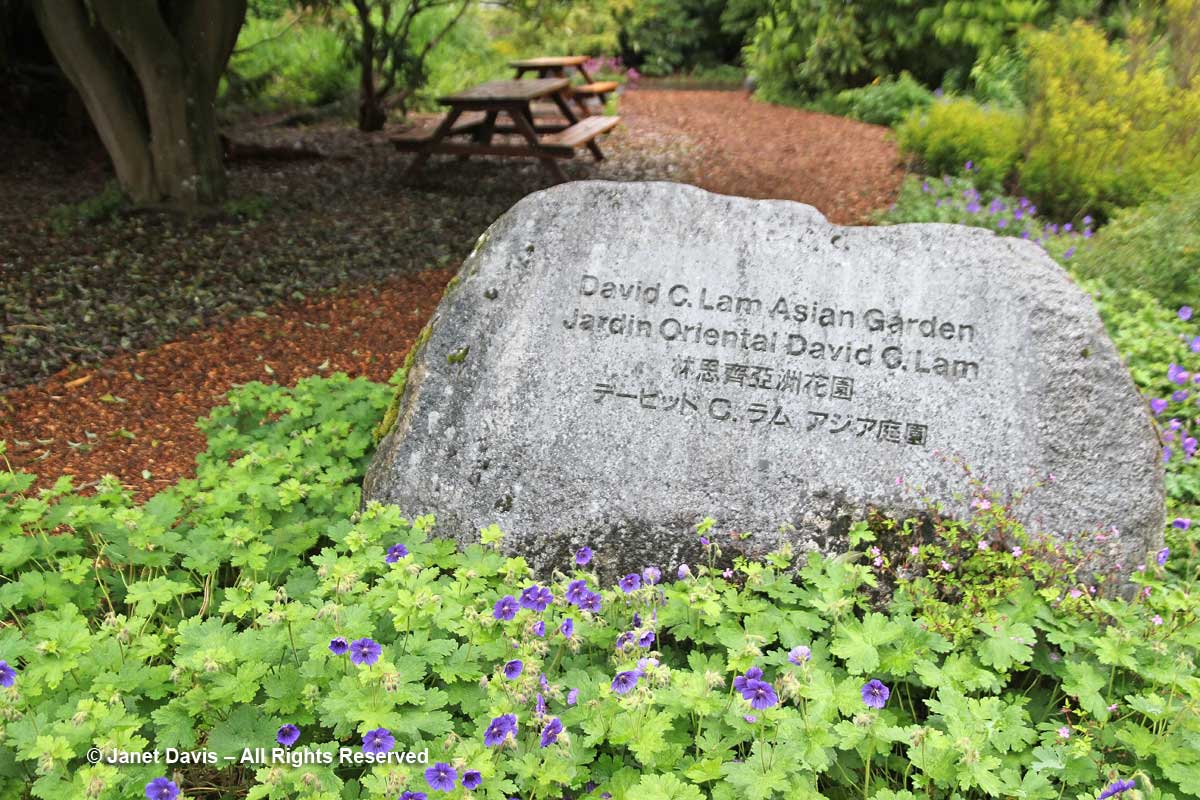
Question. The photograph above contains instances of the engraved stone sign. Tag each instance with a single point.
(618, 361)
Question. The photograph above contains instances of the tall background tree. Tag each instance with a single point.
(148, 73)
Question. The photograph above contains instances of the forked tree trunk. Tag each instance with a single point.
(149, 82)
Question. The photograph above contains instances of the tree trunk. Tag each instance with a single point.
(371, 113)
(163, 139)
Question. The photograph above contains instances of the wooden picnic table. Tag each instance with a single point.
(546, 142)
(557, 67)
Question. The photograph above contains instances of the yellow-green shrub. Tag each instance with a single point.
(1103, 131)
(954, 131)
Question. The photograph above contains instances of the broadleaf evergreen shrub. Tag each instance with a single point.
(1155, 247)
(883, 102)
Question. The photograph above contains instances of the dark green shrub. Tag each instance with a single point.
(954, 131)
(884, 102)
(1155, 247)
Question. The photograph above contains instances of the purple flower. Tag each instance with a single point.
(1182, 523)
(1069, 252)
(506, 608)
(1177, 374)
(1163, 555)
(161, 789)
(623, 640)
(1185, 313)
(630, 583)
(539, 628)
(471, 779)
(624, 682)
(378, 741)
(576, 590)
(970, 165)
(583, 556)
(408, 795)
(742, 681)
(799, 654)
(8, 675)
(287, 735)
(925, 187)
(395, 553)
(550, 733)
(365, 651)
(441, 777)
(500, 729)
(568, 627)
(646, 639)
(1179, 395)
(572, 697)
(1116, 788)
(684, 571)
(1196, 345)
(539, 708)
(512, 670)
(750, 718)
(651, 575)
(339, 646)
(875, 694)
(591, 602)
(973, 207)
(536, 598)
(760, 694)
(1158, 405)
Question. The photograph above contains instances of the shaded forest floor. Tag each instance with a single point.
(116, 335)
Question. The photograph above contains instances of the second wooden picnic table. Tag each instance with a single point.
(558, 66)
(544, 141)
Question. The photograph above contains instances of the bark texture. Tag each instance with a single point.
(148, 75)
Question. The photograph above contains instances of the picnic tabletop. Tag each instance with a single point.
(506, 91)
(543, 62)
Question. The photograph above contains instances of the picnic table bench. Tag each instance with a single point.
(547, 142)
(557, 67)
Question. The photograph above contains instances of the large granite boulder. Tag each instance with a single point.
(617, 361)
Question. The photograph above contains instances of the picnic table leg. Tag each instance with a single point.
(522, 117)
(483, 134)
(427, 150)
(597, 154)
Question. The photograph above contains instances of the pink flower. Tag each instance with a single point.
(912, 551)
(983, 545)
(1076, 593)
(1064, 732)
(946, 566)
(1017, 551)
(1156, 619)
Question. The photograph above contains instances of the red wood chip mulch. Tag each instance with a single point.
(141, 408)
(847, 169)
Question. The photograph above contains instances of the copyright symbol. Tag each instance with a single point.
(94, 755)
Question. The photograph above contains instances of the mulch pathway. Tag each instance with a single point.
(134, 414)
(847, 169)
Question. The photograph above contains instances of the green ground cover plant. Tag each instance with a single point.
(256, 605)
